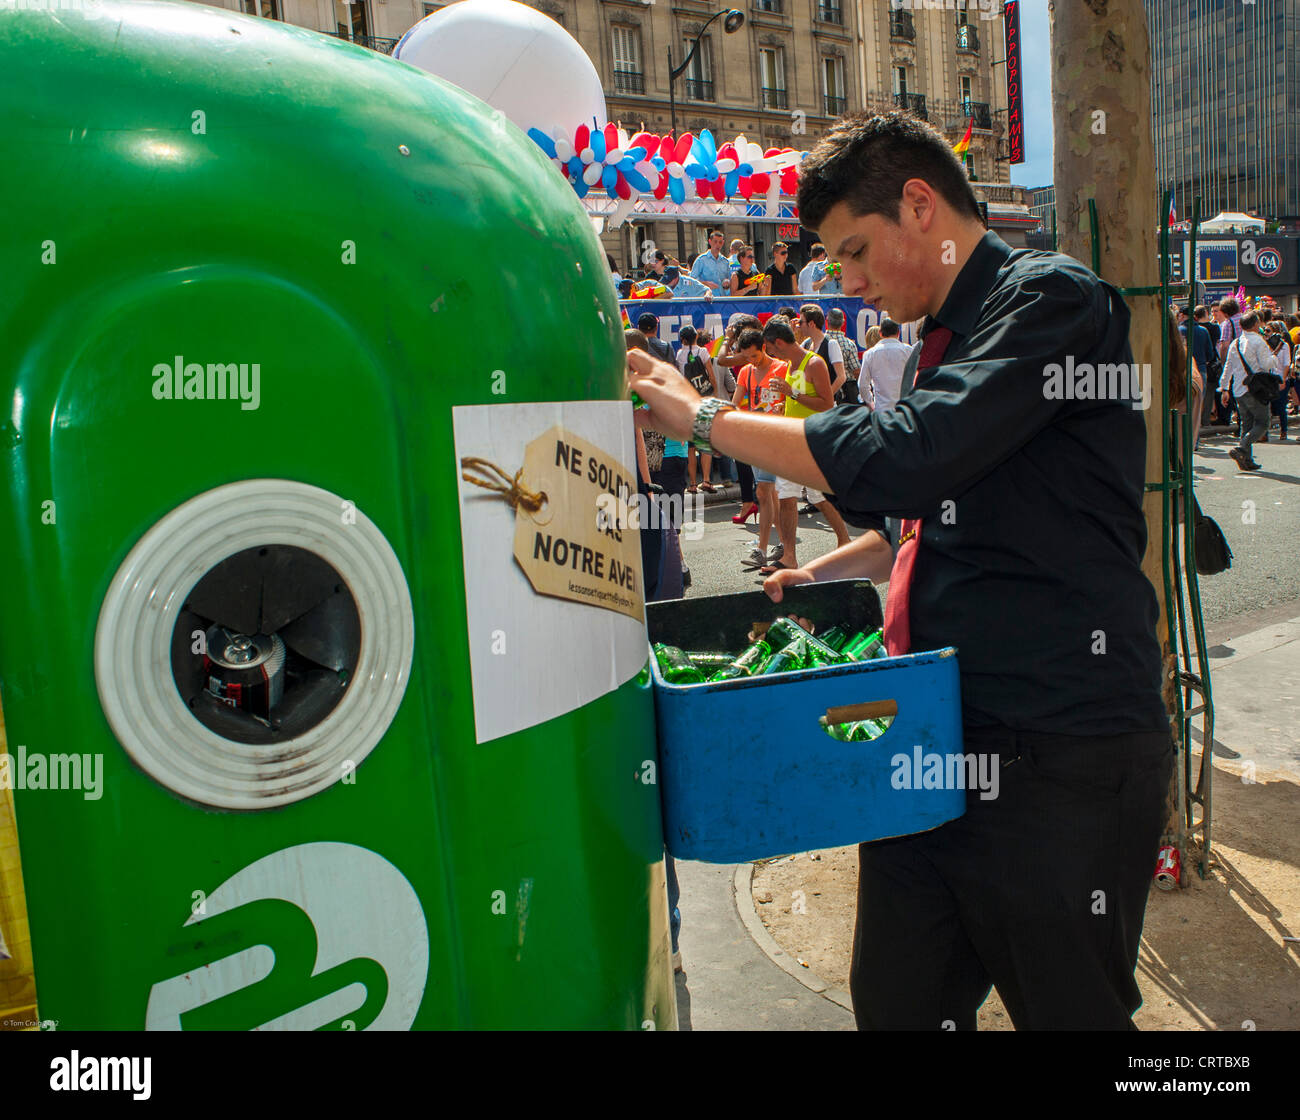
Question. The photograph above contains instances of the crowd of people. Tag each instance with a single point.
(711, 273)
(800, 361)
(1245, 371)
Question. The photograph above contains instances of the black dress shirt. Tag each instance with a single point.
(1033, 534)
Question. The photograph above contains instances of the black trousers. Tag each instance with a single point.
(1040, 891)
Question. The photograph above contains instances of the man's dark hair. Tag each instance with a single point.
(635, 340)
(750, 338)
(1249, 321)
(778, 330)
(814, 315)
(1293, 321)
(835, 318)
(888, 328)
(788, 311)
(687, 335)
(718, 232)
(647, 323)
(864, 160)
(1229, 307)
(660, 255)
(818, 250)
(1199, 312)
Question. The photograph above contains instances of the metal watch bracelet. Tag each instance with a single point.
(702, 429)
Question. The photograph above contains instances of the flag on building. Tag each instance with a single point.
(1173, 212)
(964, 143)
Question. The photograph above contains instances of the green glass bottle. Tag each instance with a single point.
(675, 666)
(748, 664)
(871, 648)
(643, 677)
(709, 661)
(786, 630)
(854, 643)
(790, 659)
(836, 638)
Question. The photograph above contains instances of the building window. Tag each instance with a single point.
(769, 6)
(900, 81)
(771, 68)
(628, 77)
(829, 11)
(900, 25)
(352, 19)
(968, 38)
(267, 9)
(699, 74)
(833, 80)
(970, 166)
(429, 9)
(965, 91)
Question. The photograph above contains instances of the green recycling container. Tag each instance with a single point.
(249, 272)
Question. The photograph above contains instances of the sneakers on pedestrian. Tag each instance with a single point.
(755, 559)
(777, 552)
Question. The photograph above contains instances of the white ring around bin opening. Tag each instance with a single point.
(133, 641)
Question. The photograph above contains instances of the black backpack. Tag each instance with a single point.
(697, 373)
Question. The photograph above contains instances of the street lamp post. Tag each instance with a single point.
(733, 22)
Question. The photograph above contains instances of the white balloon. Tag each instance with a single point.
(514, 58)
(614, 156)
(725, 165)
(586, 155)
(648, 169)
(676, 171)
(592, 173)
(563, 150)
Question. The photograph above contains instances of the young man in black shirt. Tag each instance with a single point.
(1022, 544)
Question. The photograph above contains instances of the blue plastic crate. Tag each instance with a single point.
(747, 771)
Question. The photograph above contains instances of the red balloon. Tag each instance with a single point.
(666, 148)
(773, 152)
(790, 180)
(611, 136)
(760, 182)
(703, 188)
(745, 187)
(728, 151)
(682, 150)
(661, 188)
(624, 188)
(581, 139)
(719, 189)
(646, 140)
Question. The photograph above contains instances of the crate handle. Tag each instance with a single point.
(849, 713)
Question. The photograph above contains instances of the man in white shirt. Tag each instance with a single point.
(813, 279)
(882, 368)
(1247, 350)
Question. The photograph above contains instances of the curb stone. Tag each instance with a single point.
(743, 889)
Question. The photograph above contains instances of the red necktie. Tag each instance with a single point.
(898, 630)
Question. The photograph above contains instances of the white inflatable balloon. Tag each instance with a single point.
(514, 58)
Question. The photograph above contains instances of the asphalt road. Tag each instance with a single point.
(1265, 538)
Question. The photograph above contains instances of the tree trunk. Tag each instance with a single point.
(1104, 150)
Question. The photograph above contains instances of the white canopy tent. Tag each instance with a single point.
(1230, 222)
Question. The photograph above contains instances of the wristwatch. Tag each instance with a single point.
(702, 429)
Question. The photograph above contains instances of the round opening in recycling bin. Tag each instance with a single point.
(266, 644)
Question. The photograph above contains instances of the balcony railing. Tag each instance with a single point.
(830, 13)
(776, 7)
(900, 26)
(980, 111)
(835, 106)
(629, 81)
(370, 42)
(968, 38)
(913, 103)
(774, 99)
(699, 90)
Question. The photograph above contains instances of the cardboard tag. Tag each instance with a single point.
(576, 546)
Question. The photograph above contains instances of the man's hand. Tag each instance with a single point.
(672, 399)
(782, 386)
(1226, 399)
(776, 583)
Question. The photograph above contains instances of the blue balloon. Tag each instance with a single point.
(676, 188)
(659, 162)
(580, 186)
(542, 141)
(698, 171)
(731, 182)
(575, 168)
(609, 178)
(598, 144)
(636, 179)
(636, 155)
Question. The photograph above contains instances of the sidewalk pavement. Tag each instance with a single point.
(737, 978)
